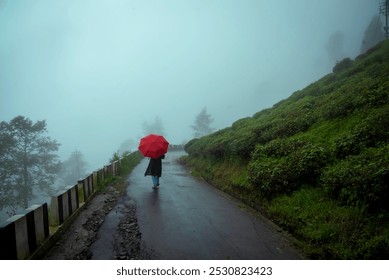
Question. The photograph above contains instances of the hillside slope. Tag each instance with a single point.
(317, 162)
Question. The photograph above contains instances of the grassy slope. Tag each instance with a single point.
(316, 162)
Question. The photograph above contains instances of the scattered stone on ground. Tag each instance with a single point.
(75, 243)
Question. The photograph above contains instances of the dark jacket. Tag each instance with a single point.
(155, 167)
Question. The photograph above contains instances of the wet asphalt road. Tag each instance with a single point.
(188, 219)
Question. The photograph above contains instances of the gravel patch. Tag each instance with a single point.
(76, 242)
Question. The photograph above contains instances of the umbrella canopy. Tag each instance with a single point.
(153, 146)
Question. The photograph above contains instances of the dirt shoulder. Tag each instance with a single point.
(75, 243)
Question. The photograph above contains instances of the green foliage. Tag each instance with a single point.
(361, 180)
(272, 176)
(129, 161)
(342, 65)
(282, 166)
(371, 131)
(331, 137)
(331, 231)
(108, 181)
(115, 157)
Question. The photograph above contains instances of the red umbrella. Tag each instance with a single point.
(153, 146)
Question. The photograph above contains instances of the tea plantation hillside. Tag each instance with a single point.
(317, 163)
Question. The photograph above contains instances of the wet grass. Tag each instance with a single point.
(127, 164)
(327, 230)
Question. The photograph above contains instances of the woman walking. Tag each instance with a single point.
(154, 169)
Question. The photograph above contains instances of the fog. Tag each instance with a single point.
(97, 70)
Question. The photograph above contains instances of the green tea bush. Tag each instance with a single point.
(216, 148)
(198, 146)
(276, 149)
(282, 166)
(242, 145)
(360, 181)
(339, 104)
(241, 138)
(308, 162)
(272, 176)
(347, 145)
(376, 248)
(378, 94)
(371, 132)
(289, 127)
(342, 65)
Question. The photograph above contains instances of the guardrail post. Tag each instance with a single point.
(95, 179)
(14, 236)
(54, 212)
(90, 184)
(84, 188)
(8, 241)
(73, 202)
(37, 225)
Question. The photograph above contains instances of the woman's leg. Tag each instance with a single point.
(155, 180)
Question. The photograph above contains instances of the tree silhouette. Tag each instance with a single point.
(202, 124)
(335, 46)
(73, 169)
(155, 128)
(374, 34)
(127, 146)
(27, 161)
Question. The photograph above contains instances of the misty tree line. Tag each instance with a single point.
(201, 126)
(374, 34)
(29, 164)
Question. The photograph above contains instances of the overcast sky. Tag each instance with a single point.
(96, 70)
